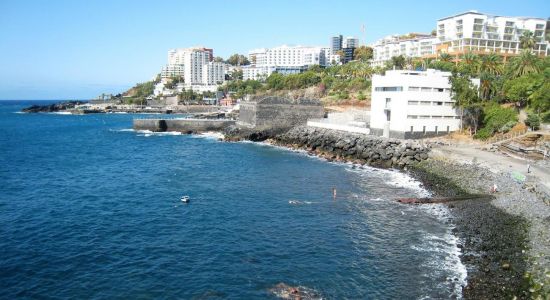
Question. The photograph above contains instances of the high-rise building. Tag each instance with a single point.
(336, 43)
(482, 33)
(195, 65)
(350, 42)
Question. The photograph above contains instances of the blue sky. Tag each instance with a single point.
(79, 49)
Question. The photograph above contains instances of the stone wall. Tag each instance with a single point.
(181, 125)
(278, 112)
(368, 149)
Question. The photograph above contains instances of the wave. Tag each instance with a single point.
(210, 135)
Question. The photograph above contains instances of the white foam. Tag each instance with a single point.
(61, 113)
(445, 248)
(210, 135)
(148, 133)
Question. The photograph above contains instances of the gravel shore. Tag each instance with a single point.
(506, 241)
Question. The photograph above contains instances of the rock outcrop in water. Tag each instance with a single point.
(340, 145)
(61, 106)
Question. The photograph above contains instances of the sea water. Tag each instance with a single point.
(91, 209)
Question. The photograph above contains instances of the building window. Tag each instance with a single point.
(424, 117)
(426, 89)
(412, 117)
(425, 103)
(440, 90)
(411, 102)
(413, 89)
(439, 103)
(389, 89)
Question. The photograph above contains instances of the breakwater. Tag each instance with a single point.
(341, 145)
(182, 125)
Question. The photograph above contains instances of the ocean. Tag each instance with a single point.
(91, 209)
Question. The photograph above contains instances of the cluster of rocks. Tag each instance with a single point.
(61, 106)
(340, 145)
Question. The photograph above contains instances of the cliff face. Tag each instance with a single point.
(341, 145)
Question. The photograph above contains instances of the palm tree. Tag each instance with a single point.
(486, 87)
(446, 57)
(491, 64)
(527, 40)
(470, 63)
(526, 63)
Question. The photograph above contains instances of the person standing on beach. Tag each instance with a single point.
(528, 168)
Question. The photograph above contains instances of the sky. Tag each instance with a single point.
(79, 49)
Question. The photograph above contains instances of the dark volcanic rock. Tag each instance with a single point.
(61, 106)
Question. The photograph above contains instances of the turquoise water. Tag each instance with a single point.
(90, 209)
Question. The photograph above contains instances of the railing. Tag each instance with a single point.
(506, 136)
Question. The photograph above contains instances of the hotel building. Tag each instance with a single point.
(482, 33)
(409, 45)
(286, 60)
(412, 104)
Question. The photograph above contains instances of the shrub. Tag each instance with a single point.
(361, 96)
(343, 95)
(496, 117)
(533, 121)
(507, 127)
(483, 134)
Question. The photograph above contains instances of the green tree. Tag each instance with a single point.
(465, 95)
(491, 64)
(238, 60)
(398, 62)
(363, 53)
(526, 63)
(527, 40)
(521, 89)
(469, 64)
(218, 59)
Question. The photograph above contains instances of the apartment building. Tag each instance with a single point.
(408, 45)
(350, 42)
(286, 60)
(483, 33)
(213, 73)
(336, 43)
(412, 104)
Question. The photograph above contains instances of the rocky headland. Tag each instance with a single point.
(56, 107)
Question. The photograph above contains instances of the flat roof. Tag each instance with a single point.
(475, 12)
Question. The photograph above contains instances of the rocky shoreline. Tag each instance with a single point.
(504, 248)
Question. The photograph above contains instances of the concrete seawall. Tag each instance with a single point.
(181, 125)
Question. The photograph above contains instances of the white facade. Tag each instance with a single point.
(194, 60)
(213, 73)
(265, 61)
(411, 45)
(474, 31)
(169, 71)
(412, 104)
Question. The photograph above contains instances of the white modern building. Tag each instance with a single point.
(285, 59)
(213, 73)
(412, 104)
(478, 32)
(169, 71)
(409, 45)
(197, 68)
